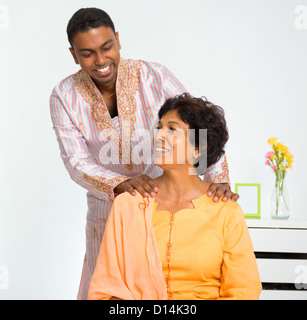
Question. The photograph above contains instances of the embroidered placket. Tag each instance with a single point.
(168, 255)
(127, 85)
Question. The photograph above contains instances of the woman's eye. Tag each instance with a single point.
(171, 130)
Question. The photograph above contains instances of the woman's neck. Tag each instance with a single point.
(178, 186)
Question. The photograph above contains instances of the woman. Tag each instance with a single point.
(180, 245)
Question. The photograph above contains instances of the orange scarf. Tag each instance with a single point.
(122, 269)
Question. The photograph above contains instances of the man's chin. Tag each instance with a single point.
(103, 80)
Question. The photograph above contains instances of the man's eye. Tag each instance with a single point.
(87, 55)
(107, 48)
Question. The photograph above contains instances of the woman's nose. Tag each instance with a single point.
(159, 135)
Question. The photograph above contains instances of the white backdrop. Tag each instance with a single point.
(247, 56)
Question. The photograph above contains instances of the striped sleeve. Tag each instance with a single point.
(76, 156)
(171, 85)
(218, 172)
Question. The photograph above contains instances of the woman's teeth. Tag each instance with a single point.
(162, 150)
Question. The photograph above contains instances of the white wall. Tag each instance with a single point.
(247, 56)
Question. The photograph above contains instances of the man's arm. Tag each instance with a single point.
(77, 159)
(218, 177)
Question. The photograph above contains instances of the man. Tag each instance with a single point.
(96, 109)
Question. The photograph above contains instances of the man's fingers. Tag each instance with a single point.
(143, 186)
(222, 190)
(152, 186)
(227, 195)
(212, 189)
(146, 186)
(133, 185)
(130, 189)
(218, 194)
(234, 197)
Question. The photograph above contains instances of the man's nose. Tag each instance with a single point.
(100, 59)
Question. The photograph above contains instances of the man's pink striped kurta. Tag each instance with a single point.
(84, 129)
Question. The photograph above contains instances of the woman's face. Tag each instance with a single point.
(172, 145)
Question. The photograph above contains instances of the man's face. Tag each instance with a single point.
(97, 52)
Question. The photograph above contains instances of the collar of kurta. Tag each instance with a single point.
(127, 84)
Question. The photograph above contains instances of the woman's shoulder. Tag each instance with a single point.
(126, 197)
(128, 208)
(228, 210)
(126, 200)
(233, 213)
(208, 202)
(229, 205)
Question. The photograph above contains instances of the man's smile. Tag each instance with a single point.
(103, 71)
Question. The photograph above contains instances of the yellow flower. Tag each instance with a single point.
(283, 149)
(290, 161)
(277, 146)
(288, 156)
(280, 153)
(280, 147)
(272, 141)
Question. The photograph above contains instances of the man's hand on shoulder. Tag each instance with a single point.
(221, 190)
(143, 184)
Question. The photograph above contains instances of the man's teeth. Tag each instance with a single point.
(104, 70)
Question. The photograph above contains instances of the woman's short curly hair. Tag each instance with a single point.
(199, 113)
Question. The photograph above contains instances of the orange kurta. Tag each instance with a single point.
(206, 252)
(210, 253)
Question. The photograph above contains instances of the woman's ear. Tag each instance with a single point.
(196, 154)
(201, 163)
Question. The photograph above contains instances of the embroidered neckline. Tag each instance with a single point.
(127, 84)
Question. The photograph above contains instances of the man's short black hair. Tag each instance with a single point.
(87, 18)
